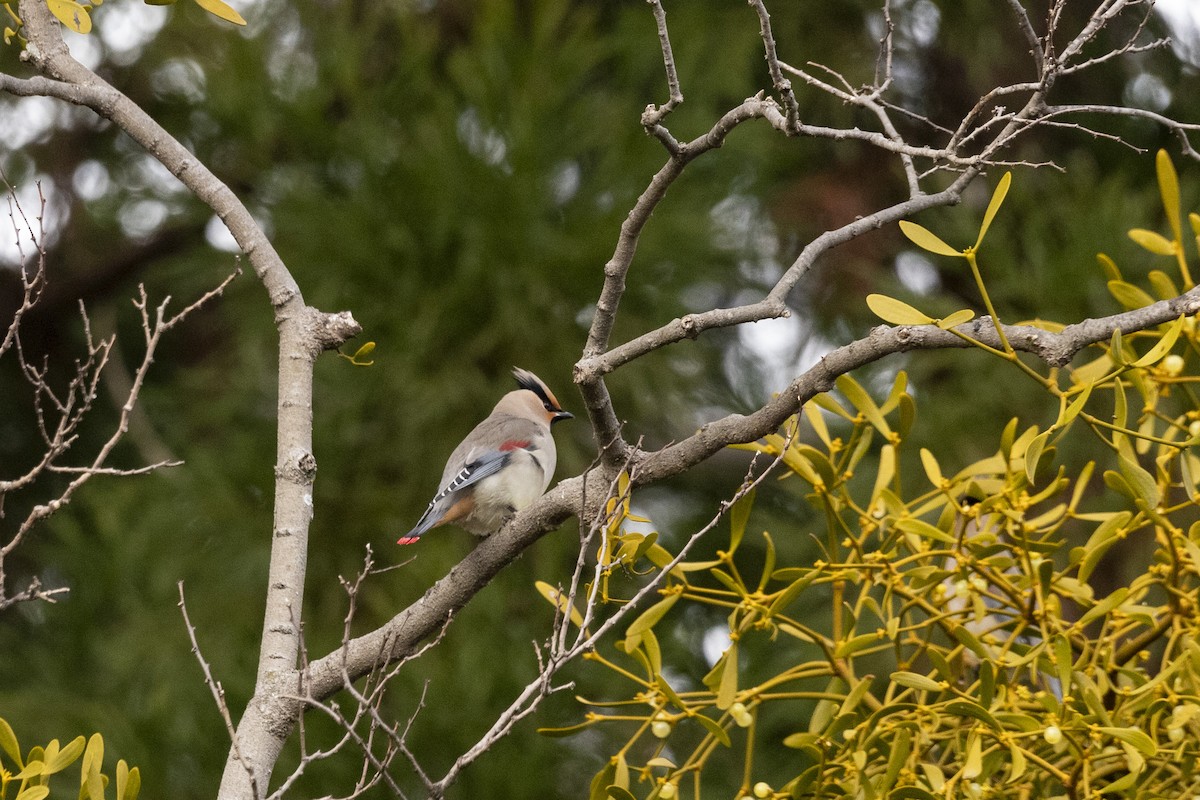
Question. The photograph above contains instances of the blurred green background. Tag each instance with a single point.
(455, 174)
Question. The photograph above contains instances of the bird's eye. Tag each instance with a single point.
(548, 407)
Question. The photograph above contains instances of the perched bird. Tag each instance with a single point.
(503, 465)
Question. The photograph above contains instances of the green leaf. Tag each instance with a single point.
(768, 562)
(718, 733)
(896, 312)
(785, 598)
(1063, 663)
(926, 240)
(994, 206)
(965, 708)
(1141, 481)
(618, 793)
(1121, 785)
(911, 793)
(1133, 737)
(650, 617)
(739, 515)
(603, 779)
(1168, 187)
(1104, 537)
(856, 644)
(220, 9)
(1154, 242)
(923, 529)
(915, 680)
(900, 747)
(8, 743)
(664, 686)
(1103, 607)
(554, 733)
(34, 793)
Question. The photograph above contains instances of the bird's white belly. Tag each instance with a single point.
(511, 489)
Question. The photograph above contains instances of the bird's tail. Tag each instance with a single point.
(427, 521)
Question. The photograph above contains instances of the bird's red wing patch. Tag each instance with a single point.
(515, 444)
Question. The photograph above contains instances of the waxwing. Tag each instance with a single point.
(503, 465)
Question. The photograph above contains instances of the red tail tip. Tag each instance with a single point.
(408, 539)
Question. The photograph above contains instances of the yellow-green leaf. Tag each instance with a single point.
(34, 793)
(93, 759)
(812, 413)
(932, 471)
(862, 401)
(64, 757)
(710, 725)
(994, 206)
(914, 680)
(1154, 242)
(1017, 763)
(1162, 346)
(1141, 481)
(923, 529)
(554, 733)
(8, 743)
(1103, 607)
(973, 763)
(1104, 537)
(926, 239)
(1128, 295)
(1109, 267)
(620, 779)
(1072, 411)
(559, 601)
(727, 690)
(360, 355)
(1134, 737)
(739, 515)
(1168, 187)
(1033, 454)
(223, 10)
(1163, 286)
(71, 14)
(897, 312)
(650, 617)
(956, 319)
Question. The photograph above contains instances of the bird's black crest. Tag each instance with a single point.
(527, 380)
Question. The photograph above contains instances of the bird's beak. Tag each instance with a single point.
(561, 415)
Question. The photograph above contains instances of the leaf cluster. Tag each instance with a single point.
(30, 775)
(968, 647)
